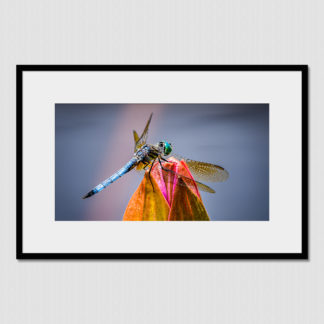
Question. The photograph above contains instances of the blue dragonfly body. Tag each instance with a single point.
(145, 156)
(142, 158)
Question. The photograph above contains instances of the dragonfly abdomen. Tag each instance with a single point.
(126, 168)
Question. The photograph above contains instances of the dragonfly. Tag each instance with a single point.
(146, 155)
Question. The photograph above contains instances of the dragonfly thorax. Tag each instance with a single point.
(148, 153)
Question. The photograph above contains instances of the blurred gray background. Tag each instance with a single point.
(92, 141)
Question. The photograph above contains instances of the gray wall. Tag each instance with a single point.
(185, 31)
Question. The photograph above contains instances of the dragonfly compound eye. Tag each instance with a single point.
(167, 148)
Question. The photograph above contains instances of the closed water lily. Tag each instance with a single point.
(166, 196)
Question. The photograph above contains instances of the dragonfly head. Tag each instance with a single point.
(165, 147)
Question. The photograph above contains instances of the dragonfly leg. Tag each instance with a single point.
(164, 169)
(166, 160)
(150, 174)
(162, 165)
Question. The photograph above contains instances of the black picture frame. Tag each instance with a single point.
(303, 255)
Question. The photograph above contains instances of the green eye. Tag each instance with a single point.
(167, 148)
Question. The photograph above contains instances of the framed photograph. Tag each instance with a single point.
(162, 162)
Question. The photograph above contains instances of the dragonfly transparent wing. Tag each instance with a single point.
(140, 141)
(189, 182)
(204, 171)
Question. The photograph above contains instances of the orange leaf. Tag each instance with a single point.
(146, 204)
